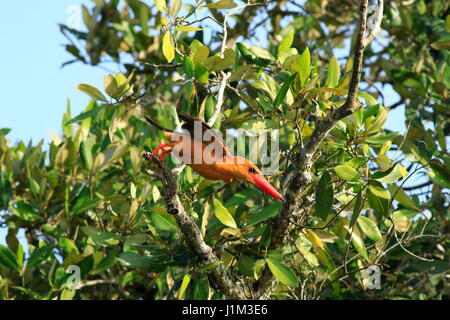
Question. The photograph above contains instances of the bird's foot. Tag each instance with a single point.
(161, 147)
(163, 154)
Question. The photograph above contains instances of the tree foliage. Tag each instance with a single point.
(89, 199)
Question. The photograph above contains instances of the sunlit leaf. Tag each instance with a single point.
(92, 92)
(184, 285)
(161, 5)
(175, 6)
(303, 66)
(286, 42)
(347, 173)
(222, 4)
(187, 28)
(168, 48)
(391, 175)
(369, 228)
(282, 272)
(223, 215)
(403, 219)
(400, 195)
(163, 222)
(333, 73)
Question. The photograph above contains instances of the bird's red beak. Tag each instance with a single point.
(265, 186)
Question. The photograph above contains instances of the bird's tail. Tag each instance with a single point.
(160, 127)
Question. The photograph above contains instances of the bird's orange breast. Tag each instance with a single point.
(209, 163)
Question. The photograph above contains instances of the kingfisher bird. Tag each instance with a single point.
(201, 148)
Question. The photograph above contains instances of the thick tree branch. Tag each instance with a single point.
(191, 231)
(305, 158)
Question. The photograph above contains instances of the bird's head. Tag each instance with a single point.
(245, 170)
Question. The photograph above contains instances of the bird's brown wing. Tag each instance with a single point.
(216, 141)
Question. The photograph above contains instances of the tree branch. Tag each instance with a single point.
(225, 76)
(305, 158)
(191, 231)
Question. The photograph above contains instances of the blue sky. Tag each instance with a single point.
(35, 88)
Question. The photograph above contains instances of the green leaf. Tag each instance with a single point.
(216, 63)
(188, 66)
(34, 186)
(168, 48)
(83, 203)
(368, 98)
(379, 140)
(347, 173)
(441, 45)
(201, 73)
(245, 51)
(187, 28)
(303, 66)
(67, 127)
(324, 196)
(67, 294)
(391, 175)
(268, 212)
(379, 120)
(369, 228)
(241, 197)
(380, 205)
(378, 190)
(438, 178)
(333, 73)
(161, 5)
(38, 256)
(8, 258)
(175, 6)
(184, 285)
(86, 155)
(135, 260)
(111, 86)
(222, 4)
(281, 95)
(223, 215)
(163, 222)
(107, 261)
(286, 42)
(67, 245)
(359, 204)
(246, 265)
(103, 239)
(24, 211)
(306, 253)
(403, 219)
(200, 292)
(92, 92)
(282, 272)
(358, 243)
(400, 195)
(262, 53)
(208, 266)
(87, 114)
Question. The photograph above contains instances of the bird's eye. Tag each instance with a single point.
(252, 170)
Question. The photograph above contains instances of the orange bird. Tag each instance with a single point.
(201, 148)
